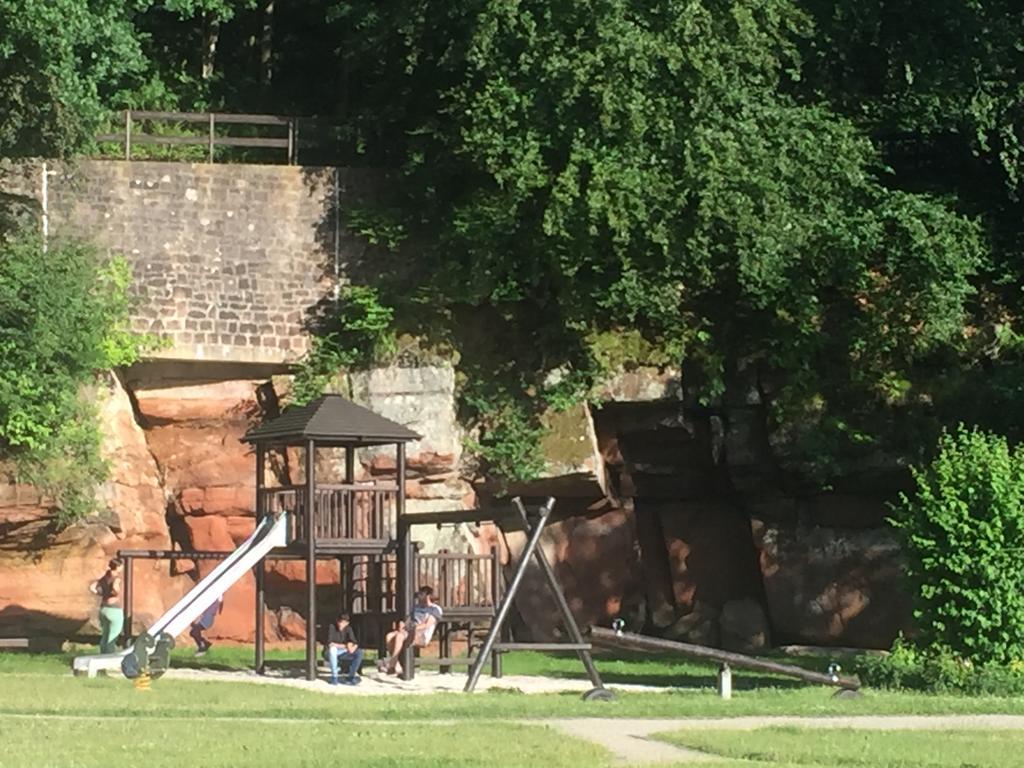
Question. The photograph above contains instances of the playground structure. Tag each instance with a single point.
(365, 527)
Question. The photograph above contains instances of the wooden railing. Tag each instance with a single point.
(463, 582)
(363, 512)
(460, 580)
(211, 140)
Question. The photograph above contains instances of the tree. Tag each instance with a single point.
(614, 165)
(60, 60)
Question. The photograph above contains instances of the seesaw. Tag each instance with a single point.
(617, 638)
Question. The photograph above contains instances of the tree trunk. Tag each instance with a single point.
(211, 31)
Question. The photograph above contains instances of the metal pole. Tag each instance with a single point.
(260, 660)
(127, 134)
(405, 558)
(568, 620)
(506, 603)
(310, 560)
(291, 141)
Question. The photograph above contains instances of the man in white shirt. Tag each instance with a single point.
(424, 618)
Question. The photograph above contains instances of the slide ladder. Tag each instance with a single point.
(156, 642)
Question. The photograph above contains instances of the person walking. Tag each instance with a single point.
(108, 587)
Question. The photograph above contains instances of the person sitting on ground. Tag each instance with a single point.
(108, 587)
(424, 618)
(342, 646)
(204, 622)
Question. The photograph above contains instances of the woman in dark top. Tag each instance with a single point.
(108, 587)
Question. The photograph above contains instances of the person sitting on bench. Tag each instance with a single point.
(424, 617)
(342, 646)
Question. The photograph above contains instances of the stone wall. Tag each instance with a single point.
(230, 261)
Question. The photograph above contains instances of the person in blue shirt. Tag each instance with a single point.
(342, 646)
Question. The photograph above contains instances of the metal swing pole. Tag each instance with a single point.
(568, 620)
(506, 604)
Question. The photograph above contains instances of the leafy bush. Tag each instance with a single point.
(939, 671)
(63, 318)
(358, 335)
(963, 535)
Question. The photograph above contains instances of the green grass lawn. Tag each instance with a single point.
(48, 717)
(815, 748)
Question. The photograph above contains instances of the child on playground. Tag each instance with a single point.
(342, 646)
(424, 617)
(205, 622)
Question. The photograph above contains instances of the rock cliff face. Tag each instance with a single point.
(670, 517)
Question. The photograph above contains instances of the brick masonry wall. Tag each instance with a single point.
(229, 261)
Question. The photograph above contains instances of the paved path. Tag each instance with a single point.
(630, 742)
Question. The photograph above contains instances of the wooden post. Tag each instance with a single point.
(405, 562)
(261, 512)
(725, 681)
(212, 132)
(126, 632)
(127, 134)
(310, 560)
(495, 601)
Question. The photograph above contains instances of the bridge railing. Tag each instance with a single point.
(135, 123)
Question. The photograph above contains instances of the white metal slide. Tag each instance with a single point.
(270, 533)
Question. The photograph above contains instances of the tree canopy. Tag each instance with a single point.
(819, 200)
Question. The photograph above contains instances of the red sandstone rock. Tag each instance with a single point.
(831, 586)
(595, 561)
(711, 555)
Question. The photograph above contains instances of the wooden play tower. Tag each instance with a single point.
(349, 518)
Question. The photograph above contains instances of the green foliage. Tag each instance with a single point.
(59, 61)
(357, 335)
(59, 325)
(650, 167)
(938, 670)
(507, 430)
(963, 533)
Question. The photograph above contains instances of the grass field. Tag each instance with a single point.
(816, 748)
(49, 718)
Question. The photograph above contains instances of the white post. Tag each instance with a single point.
(725, 681)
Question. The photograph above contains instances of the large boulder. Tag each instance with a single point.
(832, 586)
(596, 563)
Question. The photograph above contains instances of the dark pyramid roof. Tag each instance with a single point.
(331, 418)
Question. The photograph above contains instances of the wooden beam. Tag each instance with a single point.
(635, 642)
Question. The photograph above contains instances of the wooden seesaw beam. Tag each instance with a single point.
(635, 642)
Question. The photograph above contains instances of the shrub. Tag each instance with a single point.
(937, 670)
(63, 317)
(963, 533)
(359, 334)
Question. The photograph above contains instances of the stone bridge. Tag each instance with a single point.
(229, 261)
